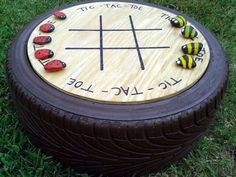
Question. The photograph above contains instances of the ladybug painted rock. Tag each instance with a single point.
(59, 15)
(41, 40)
(43, 54)
(47, 28)
(54, 65)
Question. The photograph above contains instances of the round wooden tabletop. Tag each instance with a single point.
(118, 53)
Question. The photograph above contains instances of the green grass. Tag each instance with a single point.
(215, 154)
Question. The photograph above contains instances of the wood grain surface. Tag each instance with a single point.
(118, 52)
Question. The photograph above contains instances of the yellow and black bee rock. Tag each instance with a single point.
(192, 48)
(186, 61)
(178, 21)
(189, 32)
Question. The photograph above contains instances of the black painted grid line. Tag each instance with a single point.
(136, 43)
(151, 29)
(114, 48)
(101, 44)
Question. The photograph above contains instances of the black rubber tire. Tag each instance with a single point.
(115, 140)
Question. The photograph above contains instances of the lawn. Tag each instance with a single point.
(214, 156)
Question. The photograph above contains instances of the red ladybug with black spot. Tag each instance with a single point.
(42, 40)
(47, 28)
(43, 54)
(59, 15)
(54, 65)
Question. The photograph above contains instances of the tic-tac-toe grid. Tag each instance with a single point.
(101, 47)
(120, 55)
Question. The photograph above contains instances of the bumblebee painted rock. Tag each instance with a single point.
(192, 48)
(178, 21)
(189, 32)
(43, 54)
(47, 28)
(186, 62)
(54, 65)
(59, 15)
(42, 40)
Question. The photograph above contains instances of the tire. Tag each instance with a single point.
(115, 140)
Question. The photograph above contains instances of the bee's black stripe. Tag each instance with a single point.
(192, 52)
(191, 28)
(186, 58)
